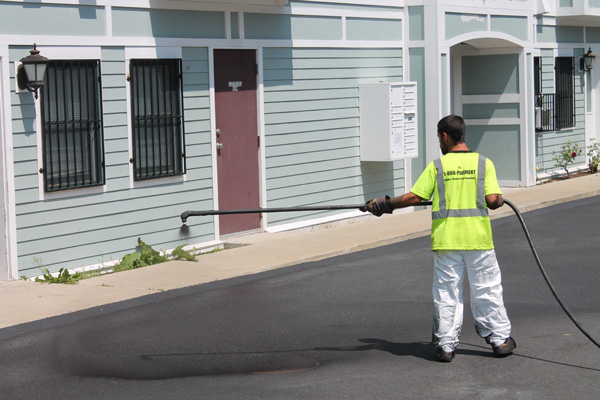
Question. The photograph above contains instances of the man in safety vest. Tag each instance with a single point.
(463, 185)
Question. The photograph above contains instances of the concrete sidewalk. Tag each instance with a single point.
(26, 301)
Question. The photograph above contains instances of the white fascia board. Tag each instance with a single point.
(213, 139)
(153, 52)
(101, 41)
(494, 121)
(215, 5)
(323, 43)
(347, 13)
(262, 153)
(484, 7)
(381, 3)
(70, 53)
(491, 98)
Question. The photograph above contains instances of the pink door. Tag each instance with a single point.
(237, 138)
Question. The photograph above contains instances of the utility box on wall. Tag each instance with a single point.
(388, 121)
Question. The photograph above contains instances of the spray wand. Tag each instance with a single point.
(186, 214)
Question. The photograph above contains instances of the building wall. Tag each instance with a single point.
(311, 127)
(555, 41)
(314, 56)
(82, 227)
(310, 118)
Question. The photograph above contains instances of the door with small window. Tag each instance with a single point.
(236, 105)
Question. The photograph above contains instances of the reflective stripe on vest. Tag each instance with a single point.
(480, 211)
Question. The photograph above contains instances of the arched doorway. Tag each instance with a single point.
(489, 90)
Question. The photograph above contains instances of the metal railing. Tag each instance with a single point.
(544, 112)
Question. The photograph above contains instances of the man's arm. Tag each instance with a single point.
(385, 205)
(406, 200)
(494, 201)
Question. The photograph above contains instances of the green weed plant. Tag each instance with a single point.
(146, 255)
(64, 277)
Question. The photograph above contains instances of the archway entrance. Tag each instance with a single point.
(488, 90)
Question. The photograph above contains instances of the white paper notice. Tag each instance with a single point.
(397, 142)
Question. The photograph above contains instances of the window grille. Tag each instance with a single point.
(565, 87)
(72, 140)
(156, 105)
(555, 111)
(544, 112)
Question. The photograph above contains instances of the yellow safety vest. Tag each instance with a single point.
(460, 219)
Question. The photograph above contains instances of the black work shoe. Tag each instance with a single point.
(505, 349)
(444, 356)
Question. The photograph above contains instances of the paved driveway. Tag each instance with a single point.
(350, 327)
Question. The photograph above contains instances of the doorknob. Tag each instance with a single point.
(219, 145)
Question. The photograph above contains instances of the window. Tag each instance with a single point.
(564, 82)
(156, 108)
(555, 111)
(72, 141)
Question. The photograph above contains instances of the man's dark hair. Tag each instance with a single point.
(454, 126)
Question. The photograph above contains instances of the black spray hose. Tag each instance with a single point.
(539, 263)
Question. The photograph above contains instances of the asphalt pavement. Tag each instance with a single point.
(347, 326)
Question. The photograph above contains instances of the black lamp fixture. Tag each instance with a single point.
(586, 63)
(30, 74)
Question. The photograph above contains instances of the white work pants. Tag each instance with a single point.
(487, 305)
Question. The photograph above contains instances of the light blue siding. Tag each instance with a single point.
(444, 83)
(51, 19)
(559, 34)
(373, 29)
(592, 35)
(459, 24)
(311, 128)
(501, 144)
(514, 26)
(479, 69)
(489, 111)
(277, 26)
(168, 23)
(417, 74)
(333, 6)
(416, 23)
(235, 26)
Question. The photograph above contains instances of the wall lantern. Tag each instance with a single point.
(586, 63)
(30, 74)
